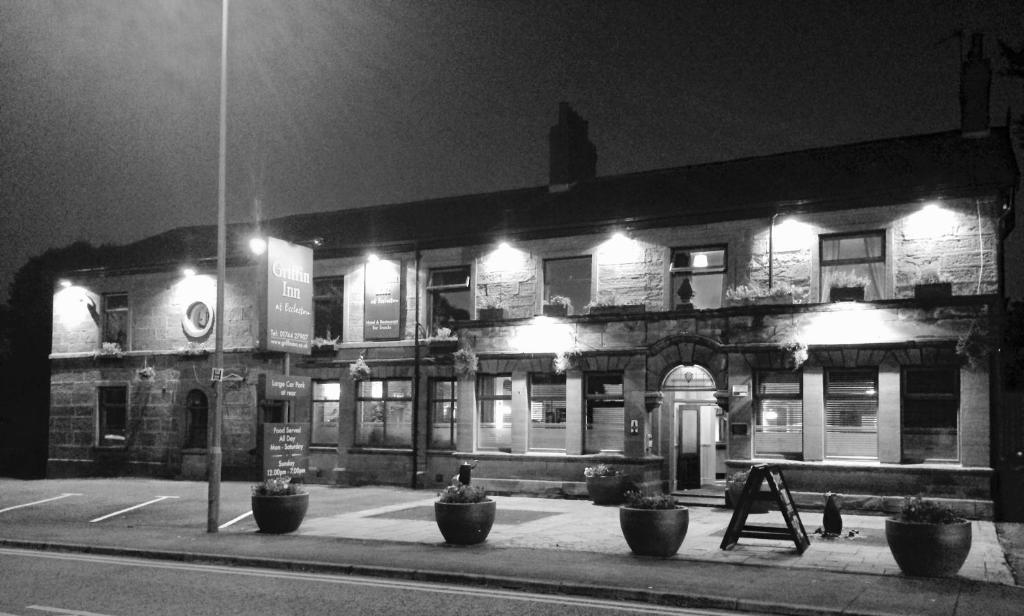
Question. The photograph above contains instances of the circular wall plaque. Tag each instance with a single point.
(197, 319)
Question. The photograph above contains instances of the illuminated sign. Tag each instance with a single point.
(383, 301)
(287, 307)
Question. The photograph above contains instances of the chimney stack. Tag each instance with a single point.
(975, 87)
(573, 156)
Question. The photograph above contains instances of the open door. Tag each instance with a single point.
(688, 447)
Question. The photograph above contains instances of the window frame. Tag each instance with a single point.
(103, 409)
(678, 273)
(384, 399)
(828, 377)
(434, 291)
(432, 404)
(481, 399)
(546, 292)
(824, 263)
(106, 334)
(591, 401)
(931, 397)
(759, 399)
(322, 298)
(314, 421)
(545, 401)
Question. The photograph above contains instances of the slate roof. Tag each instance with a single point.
(848, 176)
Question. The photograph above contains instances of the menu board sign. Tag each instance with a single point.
(285, 450)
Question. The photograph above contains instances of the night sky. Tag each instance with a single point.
(109, 110)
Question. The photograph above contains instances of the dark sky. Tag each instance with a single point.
(108, 109)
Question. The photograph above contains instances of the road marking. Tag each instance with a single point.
(45, 500)
(355, 580)
(238, 519)
(65, 612)
(110, 515)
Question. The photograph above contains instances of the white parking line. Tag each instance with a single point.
(110, 515)
(65, 612)
(238, 519)
(45, 500)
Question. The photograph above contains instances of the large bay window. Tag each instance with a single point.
(384, 408)
(569, 278)
(931, 405)
(547, 412)
(698, 276)
(854, 260)
(779, 414)
(494, 400)
(851, 413)
(605, 413)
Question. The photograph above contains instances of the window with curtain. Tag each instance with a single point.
(698, 275)
(494, 405)
(605, 413)
(857, 256)
(384, 408)
(326, 408)
(779, 429)
(568, 278)
(547, 412)
(851, 413)
(931, 409)
(443, 409)
(115, 319)
(450, 297)
(113, 416)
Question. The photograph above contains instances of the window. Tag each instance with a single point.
(779, 421)
(494, 397)
(115, 319)
(443, 408)
(605, 413)
(329, 307)
(450, 298)
(547, 412)
(568, 278)
(113, 415)
(326, 408)
(698, 275)
(931, 405)
(851, 413)
(853, 260)
(385, 412)
(196, 411)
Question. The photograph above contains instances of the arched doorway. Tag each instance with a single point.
(692, 411)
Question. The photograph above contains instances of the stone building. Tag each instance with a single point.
(679, 323)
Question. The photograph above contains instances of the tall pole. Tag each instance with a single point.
(213, 460)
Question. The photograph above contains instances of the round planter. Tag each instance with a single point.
(654, 532)
(736, 491)
(465, 523)
(928, 550)
(279, 514)
(607, 490)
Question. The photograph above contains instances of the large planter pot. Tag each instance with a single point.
(846, 294)
(279, 514)
(608, 490)
(928, 550)
(465, 523)
(555, 310)
(654, 532)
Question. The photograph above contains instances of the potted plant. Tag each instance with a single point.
(324, 346)
(931, 285)
(796, 354)
(653, 525)
(278, 505)
(928, 539)
(557, 306)
(734, 485)
(109, 350)
(606, 484)
(847, 287)
(974, 345)
(466, 362)
(443, 340)
(359, 370)
(610, 304)
(754, 294)
(464, 514)
(193, 349)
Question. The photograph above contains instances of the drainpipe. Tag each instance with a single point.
(416, 380)
(771, 247)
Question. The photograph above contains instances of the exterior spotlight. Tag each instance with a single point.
(372, 258)
(188, 272)
(64, 283)
(258, 245)
(930, 207)
(316, 242)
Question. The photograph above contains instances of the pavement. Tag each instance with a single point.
(536, 544)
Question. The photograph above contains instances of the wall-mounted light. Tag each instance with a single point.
(373, 258)
(64, 283)
(258, 245)
(188, 272)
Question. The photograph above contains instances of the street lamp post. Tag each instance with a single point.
(214, 454)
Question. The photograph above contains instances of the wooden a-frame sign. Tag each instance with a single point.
(738, 527)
